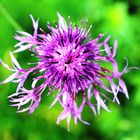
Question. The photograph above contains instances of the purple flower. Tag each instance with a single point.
(70, 62)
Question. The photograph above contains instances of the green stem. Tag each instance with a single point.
(9, 18)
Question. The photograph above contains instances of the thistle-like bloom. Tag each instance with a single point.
(70, 62)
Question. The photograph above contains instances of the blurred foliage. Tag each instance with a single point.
(120, 19)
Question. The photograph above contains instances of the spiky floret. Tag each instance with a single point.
(69, 61)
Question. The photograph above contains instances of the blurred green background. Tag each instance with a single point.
(120, 19)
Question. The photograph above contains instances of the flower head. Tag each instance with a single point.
(70, 62)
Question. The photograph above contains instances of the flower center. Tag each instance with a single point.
(68, 62)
